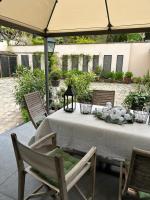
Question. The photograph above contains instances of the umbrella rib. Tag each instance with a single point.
(46, 29)
(108, 17)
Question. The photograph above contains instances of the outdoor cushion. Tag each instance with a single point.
(69, 163)
(144, 195)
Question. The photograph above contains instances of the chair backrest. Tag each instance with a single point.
(139, 171)
(35, 108)
(39, 162)
(100, 97)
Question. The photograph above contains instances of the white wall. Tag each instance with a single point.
(140, 58)
(3, 46)
(98, 49)
(86, 49)
(136, 55)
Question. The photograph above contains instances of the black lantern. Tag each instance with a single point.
(69, 100)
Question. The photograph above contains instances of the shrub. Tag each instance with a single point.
(80, 82)
(136, 100)
(28, 81)
(128, 75)
(55, 74)
(98, 70)
(137, 79)
(107, 75)
(118, 76)
(146, 78)
(74, 72)
(85, 97)
(25, 115)
(64, 73)
(53, 61)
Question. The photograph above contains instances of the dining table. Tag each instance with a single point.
(80, 132)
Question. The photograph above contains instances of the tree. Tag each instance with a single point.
(9, 34)
(116, 38)
(81, 39)
(134, 37)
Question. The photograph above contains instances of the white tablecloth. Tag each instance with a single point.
(80, 132)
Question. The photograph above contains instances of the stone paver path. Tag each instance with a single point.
(10, 115)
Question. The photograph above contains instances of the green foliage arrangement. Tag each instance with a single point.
(28, 81)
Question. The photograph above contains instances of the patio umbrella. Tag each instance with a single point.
(72, 17)
(75, 17)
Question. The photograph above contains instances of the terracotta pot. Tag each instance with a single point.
(127, 80)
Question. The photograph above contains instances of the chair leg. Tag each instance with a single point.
(92, 175)
(21, 185)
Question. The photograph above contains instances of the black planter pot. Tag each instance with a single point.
(55, 83)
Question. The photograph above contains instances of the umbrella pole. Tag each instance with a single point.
(46, 73)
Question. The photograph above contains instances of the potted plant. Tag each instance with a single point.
(85, 100)
(55, 76)
(127, 77)
(97, 71)
(108, 76)
(136, 100)
(118, 76)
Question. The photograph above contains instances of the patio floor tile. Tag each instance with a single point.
(106, 184)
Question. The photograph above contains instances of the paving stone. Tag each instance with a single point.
(10, 115)
(5, 197)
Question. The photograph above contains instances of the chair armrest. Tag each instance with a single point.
(79, 166)
(47, 142)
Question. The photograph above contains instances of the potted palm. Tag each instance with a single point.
(127, 77)
(55, 76)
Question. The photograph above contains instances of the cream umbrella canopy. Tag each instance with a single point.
(75, 17)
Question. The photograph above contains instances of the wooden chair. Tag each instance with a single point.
(57, 170)
(135, 178)
(100, 97)
(35, 107)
